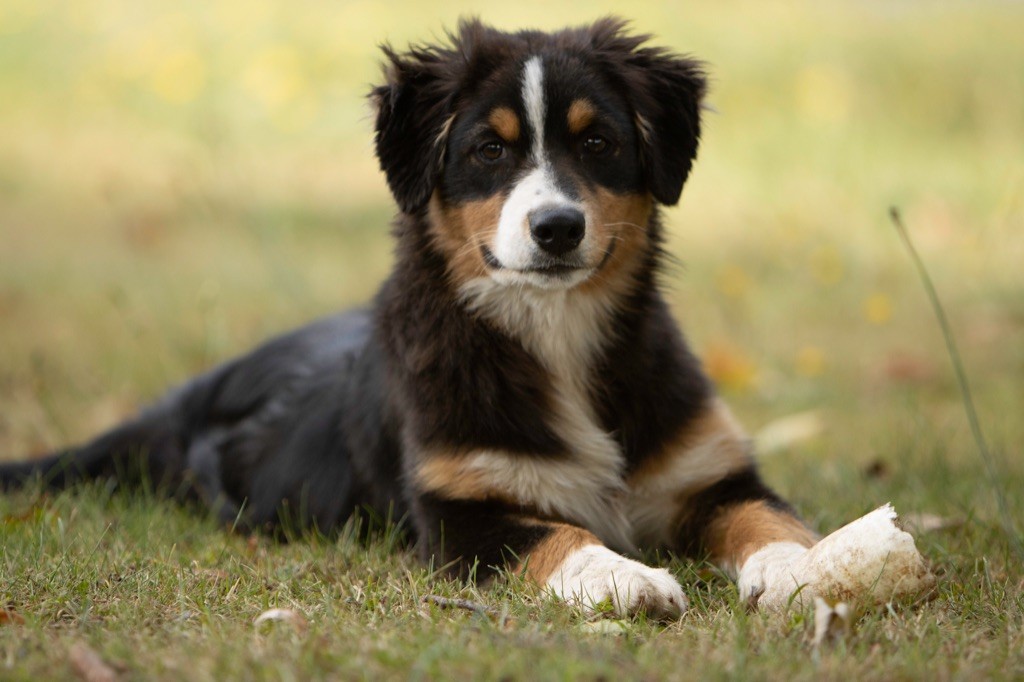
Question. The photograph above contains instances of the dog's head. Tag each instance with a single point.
(538, 158)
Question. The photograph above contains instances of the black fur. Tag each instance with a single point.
(461, 384)
(491, 532)
(742, 486)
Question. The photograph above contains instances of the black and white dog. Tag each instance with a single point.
(518, 390)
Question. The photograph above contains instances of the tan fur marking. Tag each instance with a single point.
(568, 490)
(505, 123)
(715, 425)
(549, 554)
(742, 530)
(619, 222)
(581, 114)
(461, 230)
(449, 477)
(711, 448)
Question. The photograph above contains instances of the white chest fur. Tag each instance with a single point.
(564, 330)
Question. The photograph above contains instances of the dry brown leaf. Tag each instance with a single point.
(908, 368)
(88, 664)
(877, 469)
(788, 431)
(32, 512)
(8, 617)
(289, 616)
(211, 573)
(709, 574)
(466, 604)
(926, 522)
(832, 622)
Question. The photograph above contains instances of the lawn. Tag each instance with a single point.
(178, 181)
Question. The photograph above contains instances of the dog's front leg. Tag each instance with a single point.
(475, 527)
(703, 497)
(756, 540)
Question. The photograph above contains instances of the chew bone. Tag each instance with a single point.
(869, 559)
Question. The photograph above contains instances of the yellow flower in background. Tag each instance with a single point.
(178, 76)
(877, 308)
(810, 361)
(827, 265)
(733, 281)
(730, 367)
(823, 93)
(275, 76)
(278, 78)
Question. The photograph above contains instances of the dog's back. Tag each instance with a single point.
(263, 432)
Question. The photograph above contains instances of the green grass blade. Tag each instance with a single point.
(987, 458)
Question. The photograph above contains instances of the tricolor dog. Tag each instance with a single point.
(518, 390)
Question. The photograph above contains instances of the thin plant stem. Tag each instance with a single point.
(961, 377)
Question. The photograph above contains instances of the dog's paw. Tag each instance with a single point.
(595, 575)
(770, 570)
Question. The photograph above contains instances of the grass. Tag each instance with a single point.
(172, 596)
(169, 595)
(177, 183)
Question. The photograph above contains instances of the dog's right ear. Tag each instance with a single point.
(413, 116)
(665, 91)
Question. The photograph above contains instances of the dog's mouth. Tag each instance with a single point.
(560, 268)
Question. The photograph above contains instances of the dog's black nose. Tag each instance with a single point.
(557, 230)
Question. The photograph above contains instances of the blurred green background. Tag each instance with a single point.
(178, 180)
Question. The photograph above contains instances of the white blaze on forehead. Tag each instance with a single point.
(537, 188)
(536, 107)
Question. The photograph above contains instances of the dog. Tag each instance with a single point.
(518, 390)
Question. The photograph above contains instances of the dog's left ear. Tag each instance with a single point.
(413, 114)
(666, 91)
(668, 122)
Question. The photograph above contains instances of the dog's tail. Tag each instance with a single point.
(149, 448)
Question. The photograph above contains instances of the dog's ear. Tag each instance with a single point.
(665, 91)
(668, 121)
(413, 116)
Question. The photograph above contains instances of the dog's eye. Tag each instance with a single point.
(491, 151)
(596, 145)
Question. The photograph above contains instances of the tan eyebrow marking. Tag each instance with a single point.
(505, 123)
(581, 114)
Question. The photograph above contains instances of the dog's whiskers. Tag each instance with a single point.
(625, 224)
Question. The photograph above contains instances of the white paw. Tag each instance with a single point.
(770, 570)
(595, 574)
